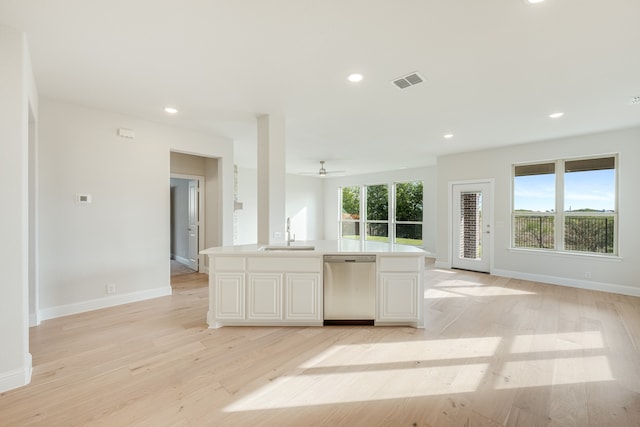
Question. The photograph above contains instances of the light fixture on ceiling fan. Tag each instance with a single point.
(322, 172)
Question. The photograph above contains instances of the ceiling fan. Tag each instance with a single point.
(322, 171)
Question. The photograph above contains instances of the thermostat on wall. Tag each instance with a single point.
(83, 199)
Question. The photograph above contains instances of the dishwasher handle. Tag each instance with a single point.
(349, 258)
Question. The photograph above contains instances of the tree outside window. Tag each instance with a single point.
(388, 212)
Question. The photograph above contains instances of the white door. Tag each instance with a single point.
(471, 242)
(193, 225)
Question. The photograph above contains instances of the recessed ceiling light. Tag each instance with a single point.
(556, 115)
(354, 78)
(448, 136)
(533, 1)
(170, 110)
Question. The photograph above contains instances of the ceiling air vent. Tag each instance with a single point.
(408, 80)
(634, 100)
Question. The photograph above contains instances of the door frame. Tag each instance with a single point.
(490, 221)
(201, 212)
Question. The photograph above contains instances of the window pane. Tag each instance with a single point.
(470, 225)
(351, 203)
(589, 185)
(589, 234)
(409, 234)
(533, 231)
(534, 192)
(378, 232)
(409, 201)
(377, 203)
(350, 230)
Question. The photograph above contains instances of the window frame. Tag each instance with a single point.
(560, 214)
(341, 220)
(391, 211)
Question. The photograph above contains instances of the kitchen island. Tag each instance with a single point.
(267, 285)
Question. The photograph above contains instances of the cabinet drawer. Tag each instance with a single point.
(232, 263)
(399, 264)
(280, 264)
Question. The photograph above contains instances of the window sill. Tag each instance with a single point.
(562, 254)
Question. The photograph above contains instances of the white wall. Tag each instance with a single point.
(304, 205)
(427, 174)
(19, 96)
(247, 217)
(122, 237)
(616, 274)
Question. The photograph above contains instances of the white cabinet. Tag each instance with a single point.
(264, 296)
(400, 289)
(263, 290)
(302, 301)
(229, 296)
(398, 297)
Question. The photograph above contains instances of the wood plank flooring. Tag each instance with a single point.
(496, 352)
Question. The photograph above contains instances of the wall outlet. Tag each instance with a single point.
(277, 234)
(587, 275)
(111, 288)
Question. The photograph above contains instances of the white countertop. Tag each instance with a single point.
(322, 247)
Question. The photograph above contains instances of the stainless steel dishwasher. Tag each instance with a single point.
(349, 289)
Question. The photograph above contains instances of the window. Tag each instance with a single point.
(567, 205)
(387, 212)
(350, 213)
(534, 206)
(377, 223)
(408, 217)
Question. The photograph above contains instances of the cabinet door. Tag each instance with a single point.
(398, 297)
(265, 296)
(303, 298)
(229, 296)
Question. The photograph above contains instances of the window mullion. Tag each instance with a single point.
(392, 213)
(363, 214)
(559, 228)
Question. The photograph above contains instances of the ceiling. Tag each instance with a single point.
(494, 70)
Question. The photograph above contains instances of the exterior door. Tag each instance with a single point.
(193, 225)
(471, 226)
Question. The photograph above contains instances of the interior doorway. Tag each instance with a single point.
(471, 210)
(187, 223)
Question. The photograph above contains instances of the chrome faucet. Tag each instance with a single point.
(288, 231)
(289, 238)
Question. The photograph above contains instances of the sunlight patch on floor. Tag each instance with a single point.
(563, 341)
(555, 371)
(337, 387)
(472, 291)
(406, 351)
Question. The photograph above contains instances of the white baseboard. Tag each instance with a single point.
(204, 269)
(573, 283)
(17, 377)
(34, 319)
(181, 260)
(96, 304)
(442, 264)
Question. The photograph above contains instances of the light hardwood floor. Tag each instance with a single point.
(496, 352)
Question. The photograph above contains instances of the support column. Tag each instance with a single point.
(271, 180)
(15, 84)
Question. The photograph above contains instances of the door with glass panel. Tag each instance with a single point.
(471, 231)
